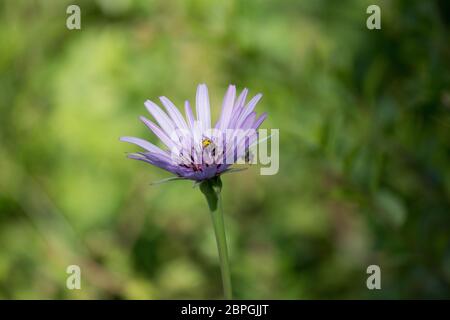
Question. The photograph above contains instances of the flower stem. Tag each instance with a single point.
(211, 189)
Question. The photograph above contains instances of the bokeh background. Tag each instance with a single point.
(364, 120)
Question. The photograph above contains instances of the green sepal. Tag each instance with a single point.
(211, 189)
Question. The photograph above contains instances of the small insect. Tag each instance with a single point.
(209, 146)
(206, 142)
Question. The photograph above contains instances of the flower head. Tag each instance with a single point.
(193, 148)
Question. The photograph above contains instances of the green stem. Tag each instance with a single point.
(211, 189)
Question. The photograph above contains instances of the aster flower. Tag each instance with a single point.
(196, 150)
(193, 148)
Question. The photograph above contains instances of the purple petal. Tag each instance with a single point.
(240, 102)
(159, 133)
(155, 160)
(249, 109)
(145, 145)
(160, 116)
(238, 107)
(202, 107)
(227, 107)
(189, 114)
(260, 120)
(174, 113)
(248, 122)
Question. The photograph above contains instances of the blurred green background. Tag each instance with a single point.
(364, 119)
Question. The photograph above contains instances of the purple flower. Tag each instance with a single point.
(193, 148)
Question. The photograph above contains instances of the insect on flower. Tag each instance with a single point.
(193, 149)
